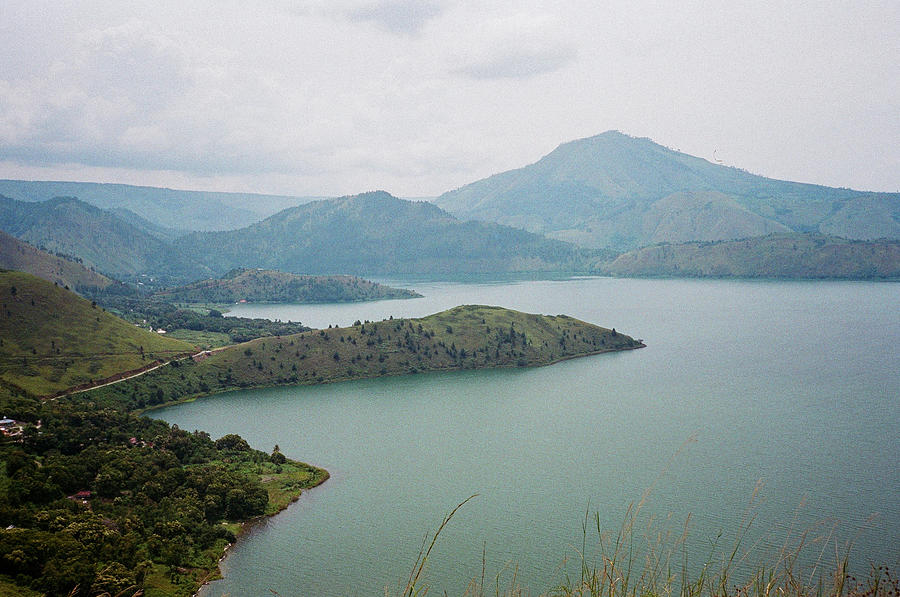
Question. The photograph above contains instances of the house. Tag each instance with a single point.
(84, 495)
(10, 427)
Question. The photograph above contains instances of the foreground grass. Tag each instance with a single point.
(642, 559)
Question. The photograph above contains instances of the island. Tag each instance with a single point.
(248, 285)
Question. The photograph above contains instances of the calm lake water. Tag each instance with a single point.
(794, 385)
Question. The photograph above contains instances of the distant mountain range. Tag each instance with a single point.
(575, 210)
(167, 208)
(100, 238)
(622, 192)
(369, 234)
(375, 234)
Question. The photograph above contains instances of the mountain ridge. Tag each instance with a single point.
(376, 233)
(596, 191)
(100, 238)
(166, 207)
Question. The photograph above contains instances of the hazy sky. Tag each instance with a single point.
(420, 96)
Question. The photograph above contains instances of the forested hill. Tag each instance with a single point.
(773, 256)
(616, 191)
(272, 286)
(465, 337)
(374, 234)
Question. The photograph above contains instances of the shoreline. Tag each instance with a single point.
(225, 389)
(245, 526)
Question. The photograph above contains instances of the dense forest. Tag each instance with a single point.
(98, 500)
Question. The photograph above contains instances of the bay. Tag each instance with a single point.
(792, 387)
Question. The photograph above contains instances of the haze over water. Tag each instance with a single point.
(794, 384)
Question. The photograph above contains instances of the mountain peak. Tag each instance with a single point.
(608, 191)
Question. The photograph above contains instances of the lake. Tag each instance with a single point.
(791, 385)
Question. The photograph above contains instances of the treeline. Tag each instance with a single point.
(149, 312)
(97, 500)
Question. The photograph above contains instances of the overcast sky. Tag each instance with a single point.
(420, 96)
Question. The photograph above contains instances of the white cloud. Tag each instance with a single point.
(407, 17)
(333, 97)
(519, 63)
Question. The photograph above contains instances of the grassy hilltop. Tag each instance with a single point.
(51, 339)
(465, 337)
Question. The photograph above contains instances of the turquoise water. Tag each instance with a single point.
(792, 385)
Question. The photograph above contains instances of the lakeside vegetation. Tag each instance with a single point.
(98, 501)
(202, 326)
(465, 337)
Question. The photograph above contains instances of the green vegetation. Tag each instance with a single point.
(772, 256)
(202, 327)
(270, 286)
(101, 501)
(466, 337)
(620, 192)
(150, 507)
(51, 339)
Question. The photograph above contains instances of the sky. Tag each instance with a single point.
(417, 97)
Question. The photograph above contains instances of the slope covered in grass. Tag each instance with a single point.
(466, 337)
(51, 339)
(18, 255)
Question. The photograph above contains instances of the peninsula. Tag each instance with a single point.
(465, 337)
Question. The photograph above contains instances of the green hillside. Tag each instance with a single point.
(622, 192)
(21, 256)
(99, 238)
(51, 339)
(280, 287)
(375, 234)
(466, 337)
(772, 256)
